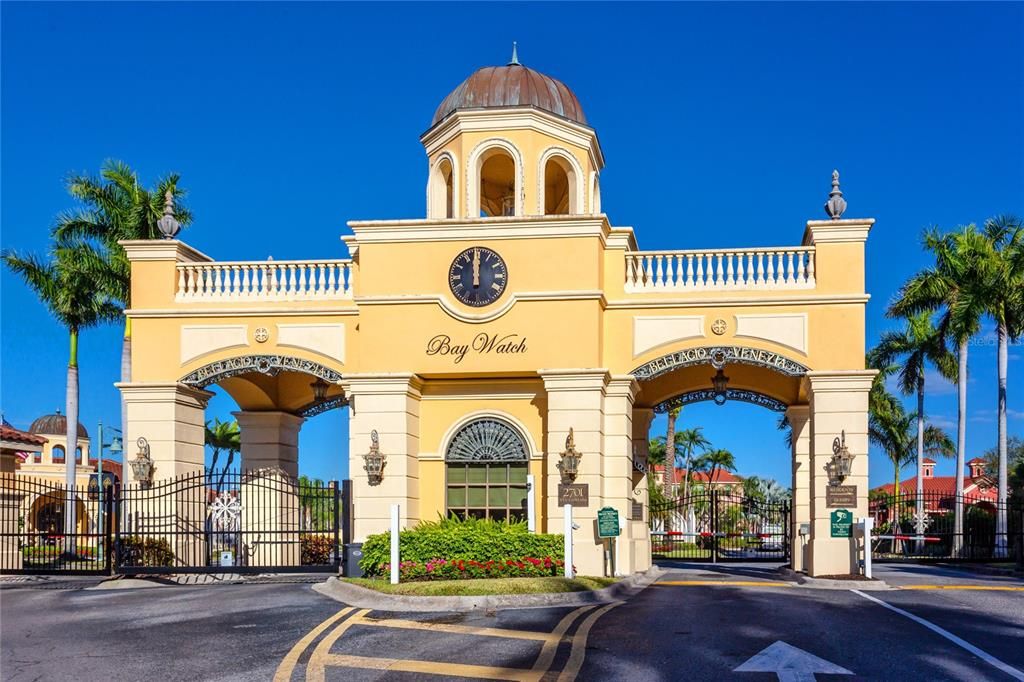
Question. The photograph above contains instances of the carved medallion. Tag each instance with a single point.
(262, 334)
(719, 326)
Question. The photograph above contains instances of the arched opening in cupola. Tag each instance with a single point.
(559, 187)
(497, 183)
(442, 190)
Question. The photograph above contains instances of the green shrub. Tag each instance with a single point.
(460, 569)
(452, 540)
(316, 549)
(136, 551)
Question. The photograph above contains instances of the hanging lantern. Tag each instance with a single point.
(720, 382)
(319, 389)
(142, 465)
(569, 465)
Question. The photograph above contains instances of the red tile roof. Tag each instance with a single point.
(698, 476)
(941, 485)
(11, 434)
(110, 465)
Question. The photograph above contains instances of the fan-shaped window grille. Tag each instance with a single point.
(486, 440)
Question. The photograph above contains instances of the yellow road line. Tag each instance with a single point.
(460, 629)
(315, 666)
(431, 667)
(579, 644)
(994, 588)
(547, 652)
(284, 670)
(730, 583)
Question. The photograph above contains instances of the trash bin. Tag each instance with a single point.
(353, 553)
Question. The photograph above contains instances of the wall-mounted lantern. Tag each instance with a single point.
(374, 461)
(720, 382)
(570, 462)
(841, 463)
(142, 465)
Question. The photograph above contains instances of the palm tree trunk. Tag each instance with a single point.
(961, 450)
(670, 455)
(1000, 549)
(686, 473)
(895, 524)
(71, 454)
(919, 506)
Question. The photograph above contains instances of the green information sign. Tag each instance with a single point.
(842, 523)
(607, 523)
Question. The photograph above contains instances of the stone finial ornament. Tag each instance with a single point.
(835, 205)
(169, 227)
(515, 56)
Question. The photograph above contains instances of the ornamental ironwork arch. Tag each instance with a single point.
(730, 394)
(718, 357)
(269, 365)
(486, 440)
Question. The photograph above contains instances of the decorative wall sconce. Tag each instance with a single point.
(569, 465)
(841, 463)
(142, 465)
(374, 460)
(721, 385)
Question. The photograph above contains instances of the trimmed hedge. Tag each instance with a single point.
(451, 539)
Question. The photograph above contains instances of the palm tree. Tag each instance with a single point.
(690, 440)
(78, 302)
(223, 436)
(918, 344)
(668, 478)
(1005, 295)
(117, 208)
(954, 287)
(714, 461)
(893, 430)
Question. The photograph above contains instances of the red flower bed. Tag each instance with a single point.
(461, 569)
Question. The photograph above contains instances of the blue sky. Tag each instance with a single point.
(720, 124)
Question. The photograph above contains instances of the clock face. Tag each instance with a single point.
(478, 276)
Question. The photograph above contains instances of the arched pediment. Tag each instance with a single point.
(718, 357)
(270, 365)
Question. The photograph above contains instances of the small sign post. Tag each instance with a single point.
(608, 530)
(842, 523)
(576, 494)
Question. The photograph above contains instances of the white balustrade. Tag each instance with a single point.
(721, 269)
(270, 280)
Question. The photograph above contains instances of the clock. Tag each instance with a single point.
(478, 276)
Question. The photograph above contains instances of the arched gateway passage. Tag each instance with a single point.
(712, 518)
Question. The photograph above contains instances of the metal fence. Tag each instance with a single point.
(923, 528)
(228, 521)
(719, 526)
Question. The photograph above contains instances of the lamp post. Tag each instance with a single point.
(115, 448)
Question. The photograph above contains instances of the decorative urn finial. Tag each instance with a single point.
(515, 56)
(835, 205)
(169, 227)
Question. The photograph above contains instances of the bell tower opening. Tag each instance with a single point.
(497, 183)
(559, 187)
(442, 190)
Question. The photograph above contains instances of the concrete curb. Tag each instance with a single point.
(365, 598)
(984, 570)
(825, 584)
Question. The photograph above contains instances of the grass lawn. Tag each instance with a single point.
(439, 588)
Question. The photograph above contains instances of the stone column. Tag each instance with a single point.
(576, 401)
(389, 404)
(171, 417)
(269, 492)
(838, 402)
(270, 440)
(800, 506)
(618, 490)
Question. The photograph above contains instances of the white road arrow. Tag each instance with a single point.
(790, 664)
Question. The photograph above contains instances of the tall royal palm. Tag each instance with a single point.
(669, 475)
(953, 286)
(78, 302)
(1005, 295)
(115, 207)
(916, 346)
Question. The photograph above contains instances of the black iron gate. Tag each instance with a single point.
(224, 522)
(719, 526)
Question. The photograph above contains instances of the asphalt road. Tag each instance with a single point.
(696, 623)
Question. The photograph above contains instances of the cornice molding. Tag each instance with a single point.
(139, 250)
(837, 231)
(704, 302)
(465, 229)
(184, 312)
(453, 311)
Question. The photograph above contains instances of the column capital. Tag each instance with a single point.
(623, 385)
(267, 418)
(162, 392)
(841, 381)
(837, 231)
(574, 379)
(798, 412)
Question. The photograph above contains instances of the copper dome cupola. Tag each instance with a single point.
(512, 85)
(55, 425)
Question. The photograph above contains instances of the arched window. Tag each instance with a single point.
(442, 190)
(486, 464)
(37, 457)
(556, 187)
(78, 456)
(497, 183)
(57, 454)
(595, 193)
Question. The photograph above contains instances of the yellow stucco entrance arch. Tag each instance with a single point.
(539, 314)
